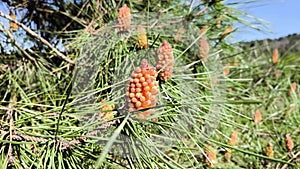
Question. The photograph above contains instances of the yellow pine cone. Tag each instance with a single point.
(165, 61)
(106, 113)
(142, 40)
(203, 30)
(142, 90)
(269, 150)
(211, 156)
(124, 20)
(13, 26)
(291, 107)
(226, 32)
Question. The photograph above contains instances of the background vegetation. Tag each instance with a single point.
(237, 107)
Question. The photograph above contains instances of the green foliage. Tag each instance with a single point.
(50, 107)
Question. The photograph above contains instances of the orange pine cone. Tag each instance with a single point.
(142, 90)
(269, 150)
(124, 20)
(257, 117)
(293, 88)
(233, 139)
(227, 69)
(142, 39)
(165, 61)
(211, 156)
(106, 113)
(289, 142)
(275, 56)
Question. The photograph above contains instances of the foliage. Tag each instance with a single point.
(57, 114)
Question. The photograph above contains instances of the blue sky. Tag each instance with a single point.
(283, 17)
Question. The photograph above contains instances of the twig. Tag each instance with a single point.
(79, 12)
(28, 30)
(15, 43)
(201, 11)
(292, 159)
(11, 158)
(65, 144)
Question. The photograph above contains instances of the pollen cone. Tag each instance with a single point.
(124, 20)
(165, 61)
(142, 90)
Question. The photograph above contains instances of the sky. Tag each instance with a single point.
(282, 16)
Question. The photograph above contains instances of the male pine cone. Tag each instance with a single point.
(142, 90)
(165, 61)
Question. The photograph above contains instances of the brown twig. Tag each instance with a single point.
(292, 159)
(201, 11)
(28, 30)
(11, 158)
(13, 136)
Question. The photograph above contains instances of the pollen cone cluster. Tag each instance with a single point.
(142, 90)
(165, 61)
(124, 20)
(142, 40)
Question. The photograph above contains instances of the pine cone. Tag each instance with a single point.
(106, 113)
(257, 117)
(142, 90)
(275, 56)
(165, 61)
(142, 40)
(289, 142)
(269, 150)
(204, 49)
(124, 20)
(211, 156)
(13, 26)
(233, 138)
